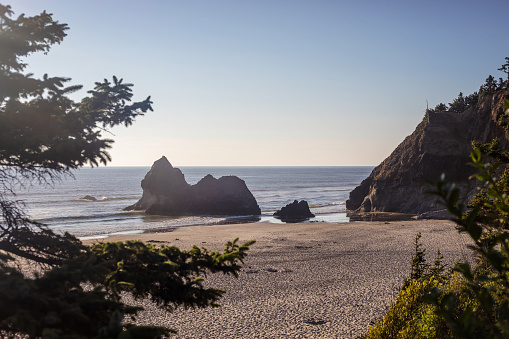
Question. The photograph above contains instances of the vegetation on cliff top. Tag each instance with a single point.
(462, 103)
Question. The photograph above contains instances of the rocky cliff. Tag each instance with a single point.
(441, 143)
(166, 192)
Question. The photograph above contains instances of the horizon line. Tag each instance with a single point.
(235, 166)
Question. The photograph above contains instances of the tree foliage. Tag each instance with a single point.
(459, 105)
(462, 103)
(472, 301)
(81, 298)
(409, 315)
(490, 86)
(497, 160)
(505, 67)
(441, 107)
(486, 285)
(44, 134)
(41, 127)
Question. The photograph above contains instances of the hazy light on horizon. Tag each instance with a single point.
(275, 83)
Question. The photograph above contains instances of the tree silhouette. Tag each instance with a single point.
(490, 86)
(44, 135)
(505, 67)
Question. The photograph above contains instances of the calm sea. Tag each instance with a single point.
(325, 189)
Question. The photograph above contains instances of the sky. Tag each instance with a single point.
(275, 83)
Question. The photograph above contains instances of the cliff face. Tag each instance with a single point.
(441, 143)
(166, 192)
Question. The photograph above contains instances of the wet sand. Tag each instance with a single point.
(306, 280)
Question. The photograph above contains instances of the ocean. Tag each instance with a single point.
(61, 207)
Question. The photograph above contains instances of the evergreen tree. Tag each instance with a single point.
(458, 105)
(441, 107)
(490, 86)
(505, 68)
(43, 133)
(472, 99)
(43, 136)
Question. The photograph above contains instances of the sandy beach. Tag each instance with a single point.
(306, 280)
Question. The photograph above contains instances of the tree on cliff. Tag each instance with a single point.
(458, 105)
(441, 107)
(43, 136)
(490, 86)
(505, 68)
(461, 103)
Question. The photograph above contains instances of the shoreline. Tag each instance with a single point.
(325, 280)
(335, 218)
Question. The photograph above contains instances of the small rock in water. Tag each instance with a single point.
(89, 198)
(295, 212)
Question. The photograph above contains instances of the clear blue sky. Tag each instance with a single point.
(275, 82)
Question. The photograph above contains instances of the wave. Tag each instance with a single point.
(338, 203)
(269, 196)
(103, 199)
(93, 217)
(315, 189)
(332, 207)
(292, 189)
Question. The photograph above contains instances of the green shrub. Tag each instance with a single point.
(409, 316)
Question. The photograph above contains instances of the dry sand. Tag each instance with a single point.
(307, 280)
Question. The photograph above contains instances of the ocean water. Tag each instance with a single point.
(60, 206)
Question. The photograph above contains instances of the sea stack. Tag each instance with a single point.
(295, 212)
(166, 192)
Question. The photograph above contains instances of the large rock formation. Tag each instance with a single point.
(166, 192)
(441, 143)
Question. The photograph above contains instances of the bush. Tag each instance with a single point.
(410, 315)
